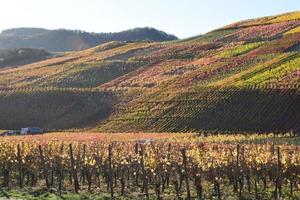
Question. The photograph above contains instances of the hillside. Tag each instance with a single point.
(244, 77)
(73, 40)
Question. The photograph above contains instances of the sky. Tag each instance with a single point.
(184, 18)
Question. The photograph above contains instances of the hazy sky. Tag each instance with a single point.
(183, 18)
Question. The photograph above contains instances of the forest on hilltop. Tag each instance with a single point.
(73, 40)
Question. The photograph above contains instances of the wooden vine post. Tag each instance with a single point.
(19, 166)
(145, 176)
(169, 159)
(110, 173)
(278, 175)
(237, 175)
(45, 171)
(136, 149)
(74, 170)
(84, 171)
(183, 151)
(60, 170)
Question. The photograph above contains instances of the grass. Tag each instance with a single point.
(31, 194)
(226, 192)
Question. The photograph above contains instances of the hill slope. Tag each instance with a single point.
(244, 77)
(68, 40)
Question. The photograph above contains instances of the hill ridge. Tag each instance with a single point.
(69, 40)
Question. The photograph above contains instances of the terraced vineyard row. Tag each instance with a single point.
(223, 109)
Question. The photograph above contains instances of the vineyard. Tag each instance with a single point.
(184, 119)
(213, 109)
(168, 166)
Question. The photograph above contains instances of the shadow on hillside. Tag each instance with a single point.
(236, 111)
(251, 111)
(55, 109)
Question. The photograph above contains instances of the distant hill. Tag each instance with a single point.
(69, 40)
(22, 56)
